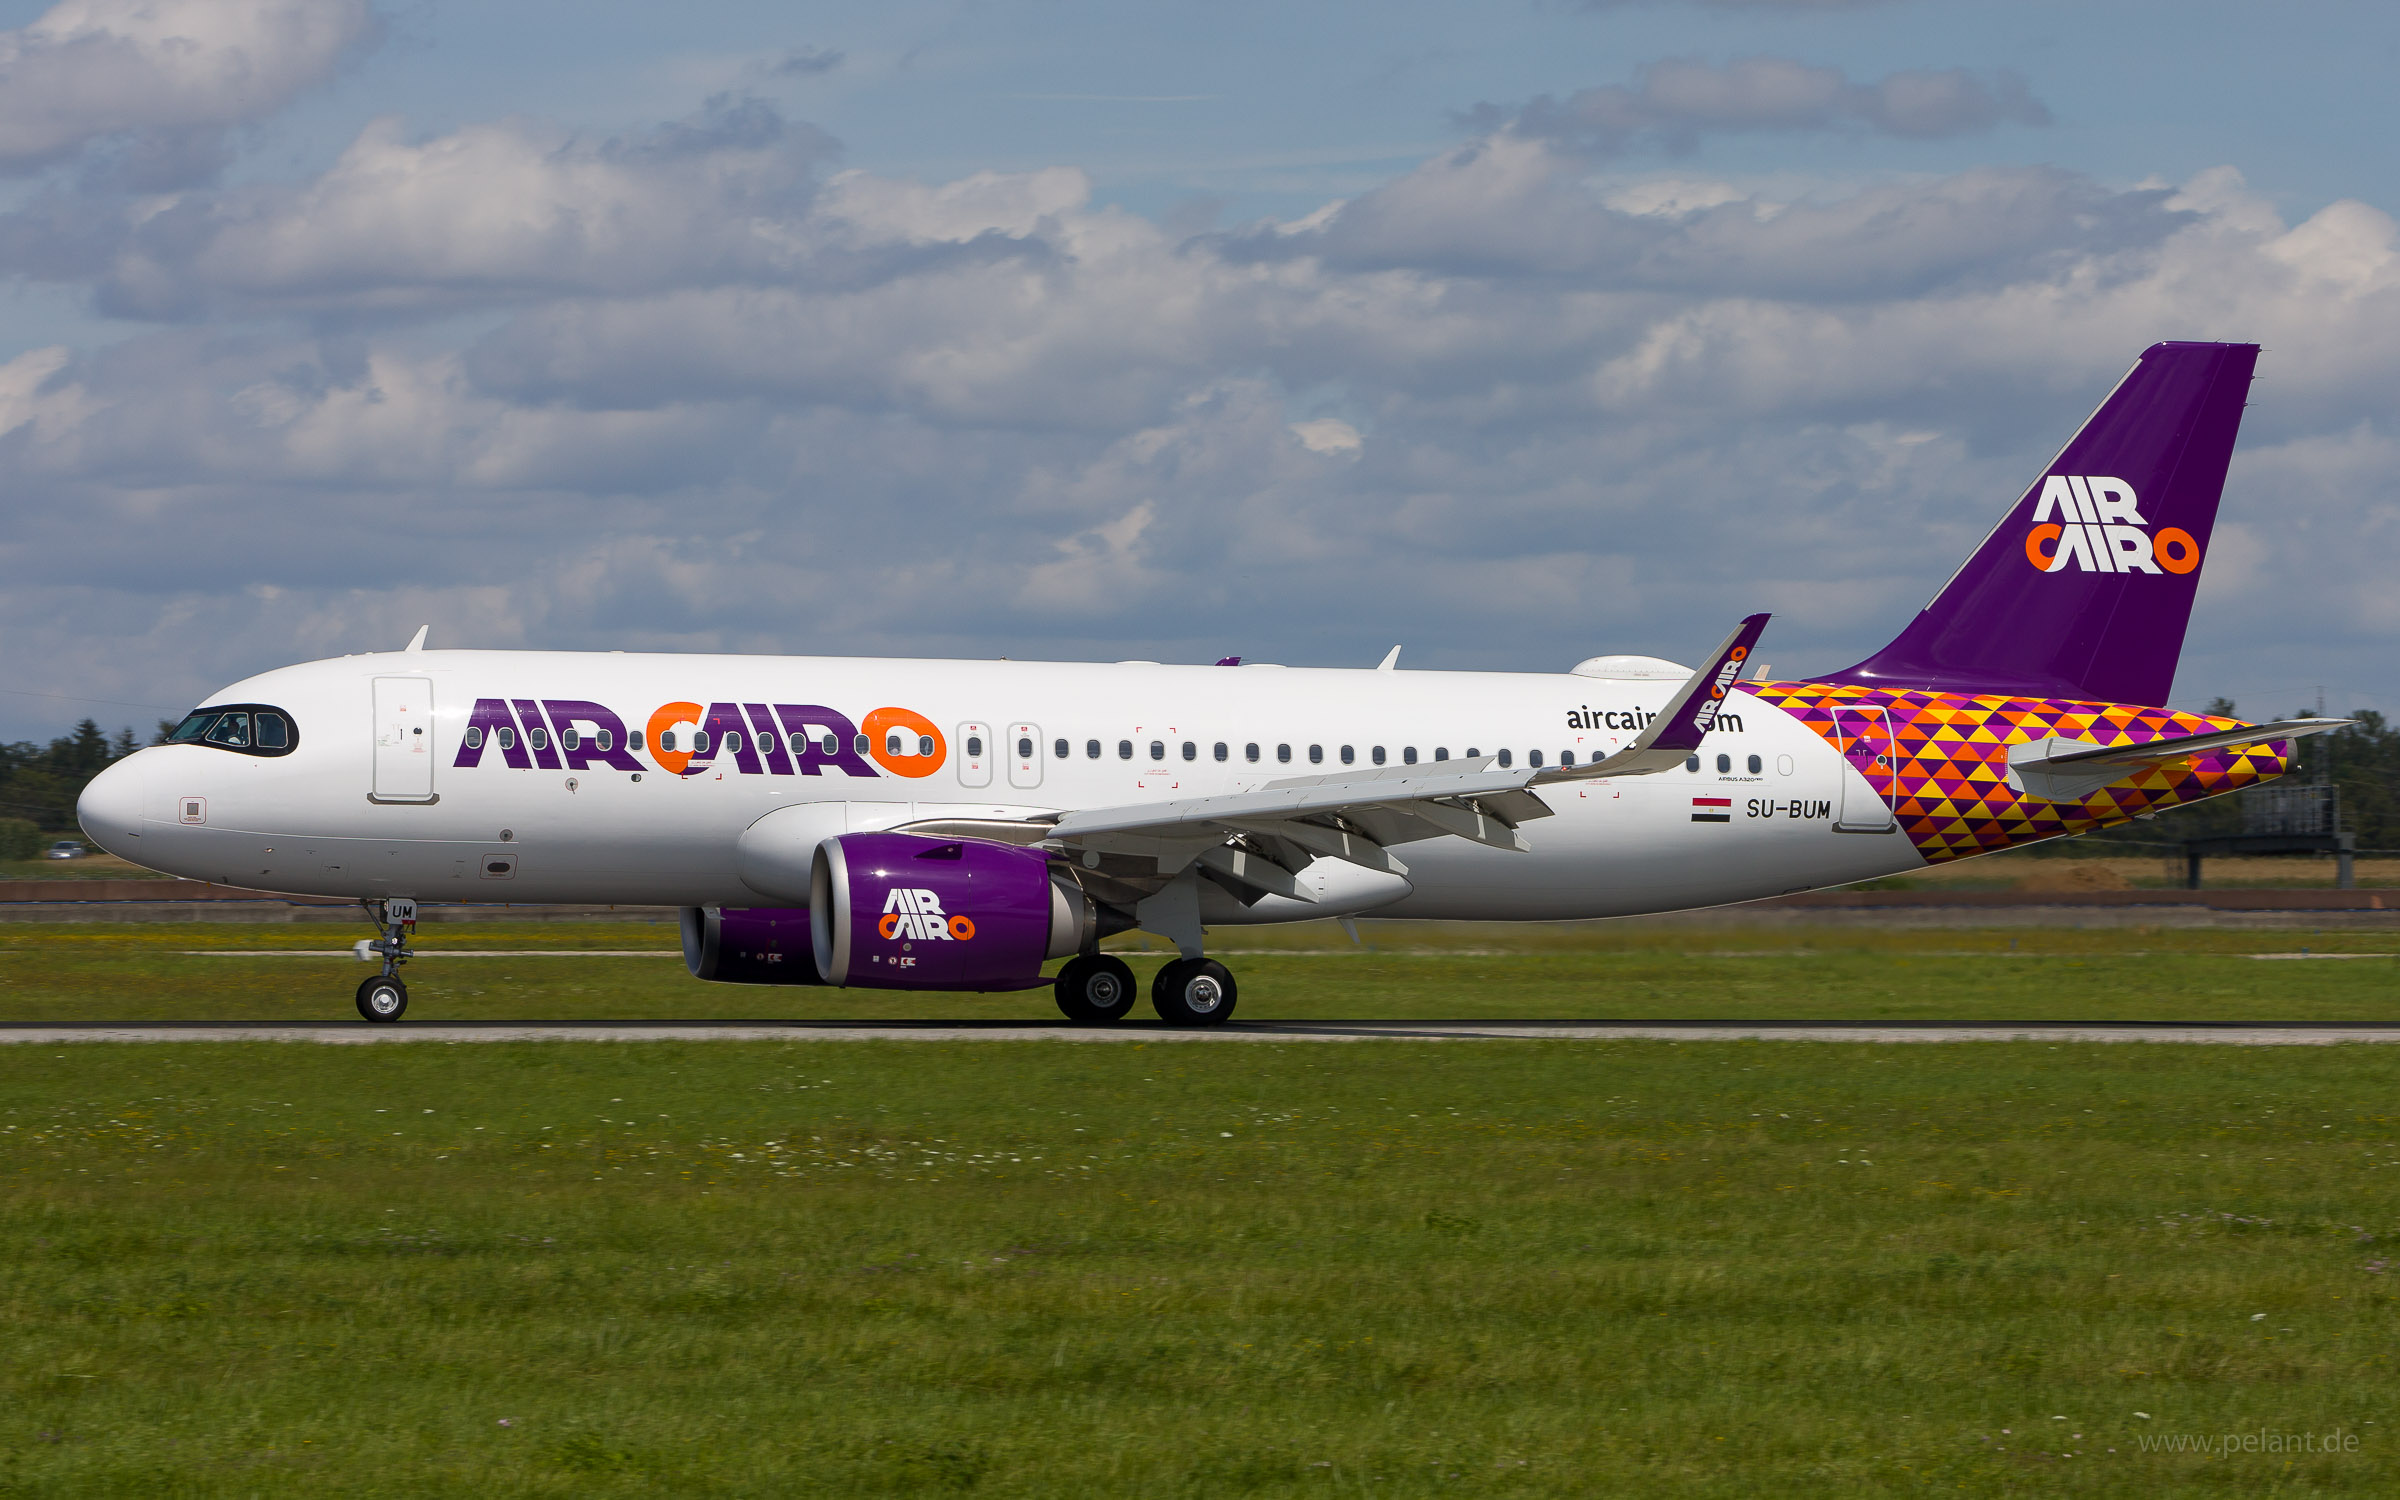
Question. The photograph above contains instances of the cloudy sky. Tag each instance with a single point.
(1513, 332)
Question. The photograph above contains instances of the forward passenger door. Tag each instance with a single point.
(403, 740)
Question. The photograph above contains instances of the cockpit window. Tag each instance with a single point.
(247, 728)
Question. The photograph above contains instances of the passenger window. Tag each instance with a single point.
(508, 738)
(1124, 749)
(924, 744)
(1316, 755)
(858, 744)
(831, 747)
(1091, 749)
(1692, 764)
(699, 741)
(1566, 757)
(1349, 756)
(273, 734)
(1283, 754)
(1376, 755)
(1250, 752)
(1190, 751)
(1441, 752)
(1504, 760)
(1533, 758)
(605, 739)
(1024, 747)
(474, 736)
(570, 738)
(1756, 765)
(891, 744)
(1158, 749)
(1408, 756)
(1057, 751)
(539, 738)
(1221, 752)
(1473, 753)
(1724, 764)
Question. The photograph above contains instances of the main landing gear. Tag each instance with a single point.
(384, 997)
(1099, 988)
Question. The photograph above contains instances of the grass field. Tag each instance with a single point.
(168, 972)
(1037, 1269)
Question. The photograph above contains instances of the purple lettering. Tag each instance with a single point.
(490, 717)
(817, 725)
(762, 726)
(724, 718)
(573, 713)
(543, 755)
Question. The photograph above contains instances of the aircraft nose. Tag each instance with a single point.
(110, 808)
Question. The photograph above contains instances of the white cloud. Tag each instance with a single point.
(710, 396)
(1675, 102)
(89, 69)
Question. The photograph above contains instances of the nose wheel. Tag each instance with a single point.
(384, 997)
(1194, 992)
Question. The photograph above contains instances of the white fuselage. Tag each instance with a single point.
(310, 821)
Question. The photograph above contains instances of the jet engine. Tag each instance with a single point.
(749, 945)
(900, 911)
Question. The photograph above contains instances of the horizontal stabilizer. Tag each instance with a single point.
(2065, 770)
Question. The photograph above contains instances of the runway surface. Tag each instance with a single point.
(2223, 1033)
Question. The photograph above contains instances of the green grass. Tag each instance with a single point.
(138, 971)
(1037, 1269)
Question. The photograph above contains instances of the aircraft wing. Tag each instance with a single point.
(1263, 837)
(2065, 770)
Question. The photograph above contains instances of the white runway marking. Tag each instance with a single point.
(2222, 1034)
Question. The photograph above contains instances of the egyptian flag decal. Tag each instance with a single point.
(1712, 809)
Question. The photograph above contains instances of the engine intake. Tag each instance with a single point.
(899, 911)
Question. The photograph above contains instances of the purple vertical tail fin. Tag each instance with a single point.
(2084, 588)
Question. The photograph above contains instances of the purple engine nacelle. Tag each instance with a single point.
(749, 945)
(899, 911)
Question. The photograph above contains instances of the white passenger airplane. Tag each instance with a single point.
(953, 825)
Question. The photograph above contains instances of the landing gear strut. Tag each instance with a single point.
(384, 997)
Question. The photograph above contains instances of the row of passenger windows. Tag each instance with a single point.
(1348, 754)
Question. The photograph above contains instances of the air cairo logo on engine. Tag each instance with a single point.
(917, 913)
(2093, 523)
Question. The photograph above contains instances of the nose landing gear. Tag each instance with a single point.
(383, 997)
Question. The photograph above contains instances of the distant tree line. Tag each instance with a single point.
(39, 783)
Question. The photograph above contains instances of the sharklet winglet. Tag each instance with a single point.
(1679, 727)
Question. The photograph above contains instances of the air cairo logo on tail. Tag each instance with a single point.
(2094, 524)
